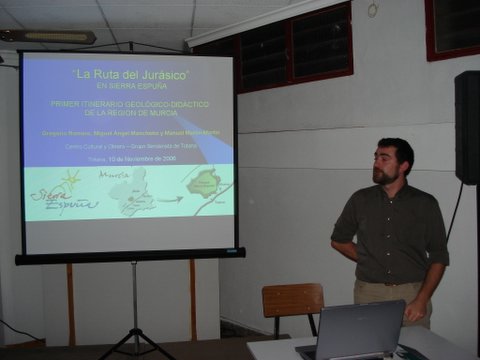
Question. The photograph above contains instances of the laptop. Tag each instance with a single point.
(360, 331)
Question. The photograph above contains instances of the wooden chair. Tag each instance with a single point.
(290, 300)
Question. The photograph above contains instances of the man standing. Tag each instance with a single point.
(400, 249)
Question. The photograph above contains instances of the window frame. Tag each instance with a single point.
(290, 78)
(329, 74)
(432, 53)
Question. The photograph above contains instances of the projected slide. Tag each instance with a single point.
(124, 137)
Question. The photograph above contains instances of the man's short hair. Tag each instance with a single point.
(404, 151)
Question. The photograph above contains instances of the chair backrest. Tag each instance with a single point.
(290, 300)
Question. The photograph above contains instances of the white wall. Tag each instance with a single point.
(20, 287)
(294, 184)
(34, 298)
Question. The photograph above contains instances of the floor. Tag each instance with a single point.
(232, 346)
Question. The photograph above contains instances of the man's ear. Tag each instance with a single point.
(404, 166)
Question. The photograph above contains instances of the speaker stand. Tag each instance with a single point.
(136, 333)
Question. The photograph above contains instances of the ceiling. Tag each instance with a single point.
(147, 25)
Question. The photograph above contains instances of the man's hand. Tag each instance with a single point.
(416, 310)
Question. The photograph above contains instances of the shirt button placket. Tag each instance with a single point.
(388, 236)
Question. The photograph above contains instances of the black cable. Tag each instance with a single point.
(455, 211)
(21, 332)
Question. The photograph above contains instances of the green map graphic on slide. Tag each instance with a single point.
(185, 197)
(117, 192)
(133, 196)
(205, 184)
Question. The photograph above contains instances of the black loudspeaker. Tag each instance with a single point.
(467, 130)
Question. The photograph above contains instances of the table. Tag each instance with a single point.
(428, 343)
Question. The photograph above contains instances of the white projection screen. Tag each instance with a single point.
(127, 157)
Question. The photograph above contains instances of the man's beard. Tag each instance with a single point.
(379, 177)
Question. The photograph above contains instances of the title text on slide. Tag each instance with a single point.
(130, 75)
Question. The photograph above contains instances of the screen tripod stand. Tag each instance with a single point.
(136, 333)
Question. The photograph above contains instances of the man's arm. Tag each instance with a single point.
(417, 309)
(348, 249)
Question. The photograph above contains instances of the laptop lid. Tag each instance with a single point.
(359, 331)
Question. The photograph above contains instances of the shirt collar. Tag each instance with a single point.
(400, 194)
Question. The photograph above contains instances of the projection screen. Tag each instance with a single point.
(127, 157)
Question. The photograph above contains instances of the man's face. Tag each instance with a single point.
(386, 168)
